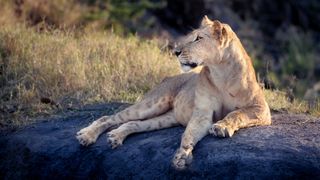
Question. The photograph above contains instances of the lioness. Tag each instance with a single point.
(221, 99)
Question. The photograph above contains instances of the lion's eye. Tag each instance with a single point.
(198, 38)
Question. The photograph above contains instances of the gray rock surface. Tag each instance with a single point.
(290, 148)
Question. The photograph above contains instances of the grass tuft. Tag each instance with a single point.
(278, 101)
(40, 71)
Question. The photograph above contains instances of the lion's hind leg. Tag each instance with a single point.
(147, 108)
(156, 102)
(116, 136)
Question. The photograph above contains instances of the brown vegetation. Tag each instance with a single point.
(51, 59)
(60, 66)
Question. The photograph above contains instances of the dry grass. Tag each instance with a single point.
(66, 68)
(278, 101)
(58, 13)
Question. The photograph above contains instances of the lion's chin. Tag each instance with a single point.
(186, 68)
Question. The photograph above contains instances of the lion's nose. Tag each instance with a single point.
(177, 52)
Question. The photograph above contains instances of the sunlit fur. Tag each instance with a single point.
(222, 98)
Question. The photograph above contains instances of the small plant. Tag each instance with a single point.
(297, 65)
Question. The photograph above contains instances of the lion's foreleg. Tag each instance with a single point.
(197, 128)
(242, 118)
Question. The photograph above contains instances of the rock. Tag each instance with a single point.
(290, 148)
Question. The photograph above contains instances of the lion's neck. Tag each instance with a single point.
(232, 72)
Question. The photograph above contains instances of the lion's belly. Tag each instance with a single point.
(183, 105)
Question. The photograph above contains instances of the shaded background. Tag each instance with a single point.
(282, 37)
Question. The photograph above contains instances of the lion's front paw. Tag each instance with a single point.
(114, 139)
(221, 130)
(182, 159)
(86, 136)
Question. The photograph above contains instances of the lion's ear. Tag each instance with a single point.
(219, 32)
(206, 21)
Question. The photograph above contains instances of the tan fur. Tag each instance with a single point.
(221, 99)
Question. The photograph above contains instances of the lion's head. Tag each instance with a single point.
(204, 45)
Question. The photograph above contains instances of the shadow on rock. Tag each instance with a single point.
(289, 148)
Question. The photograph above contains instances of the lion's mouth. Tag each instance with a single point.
(191, 65)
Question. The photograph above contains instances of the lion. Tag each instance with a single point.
(219, 100)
